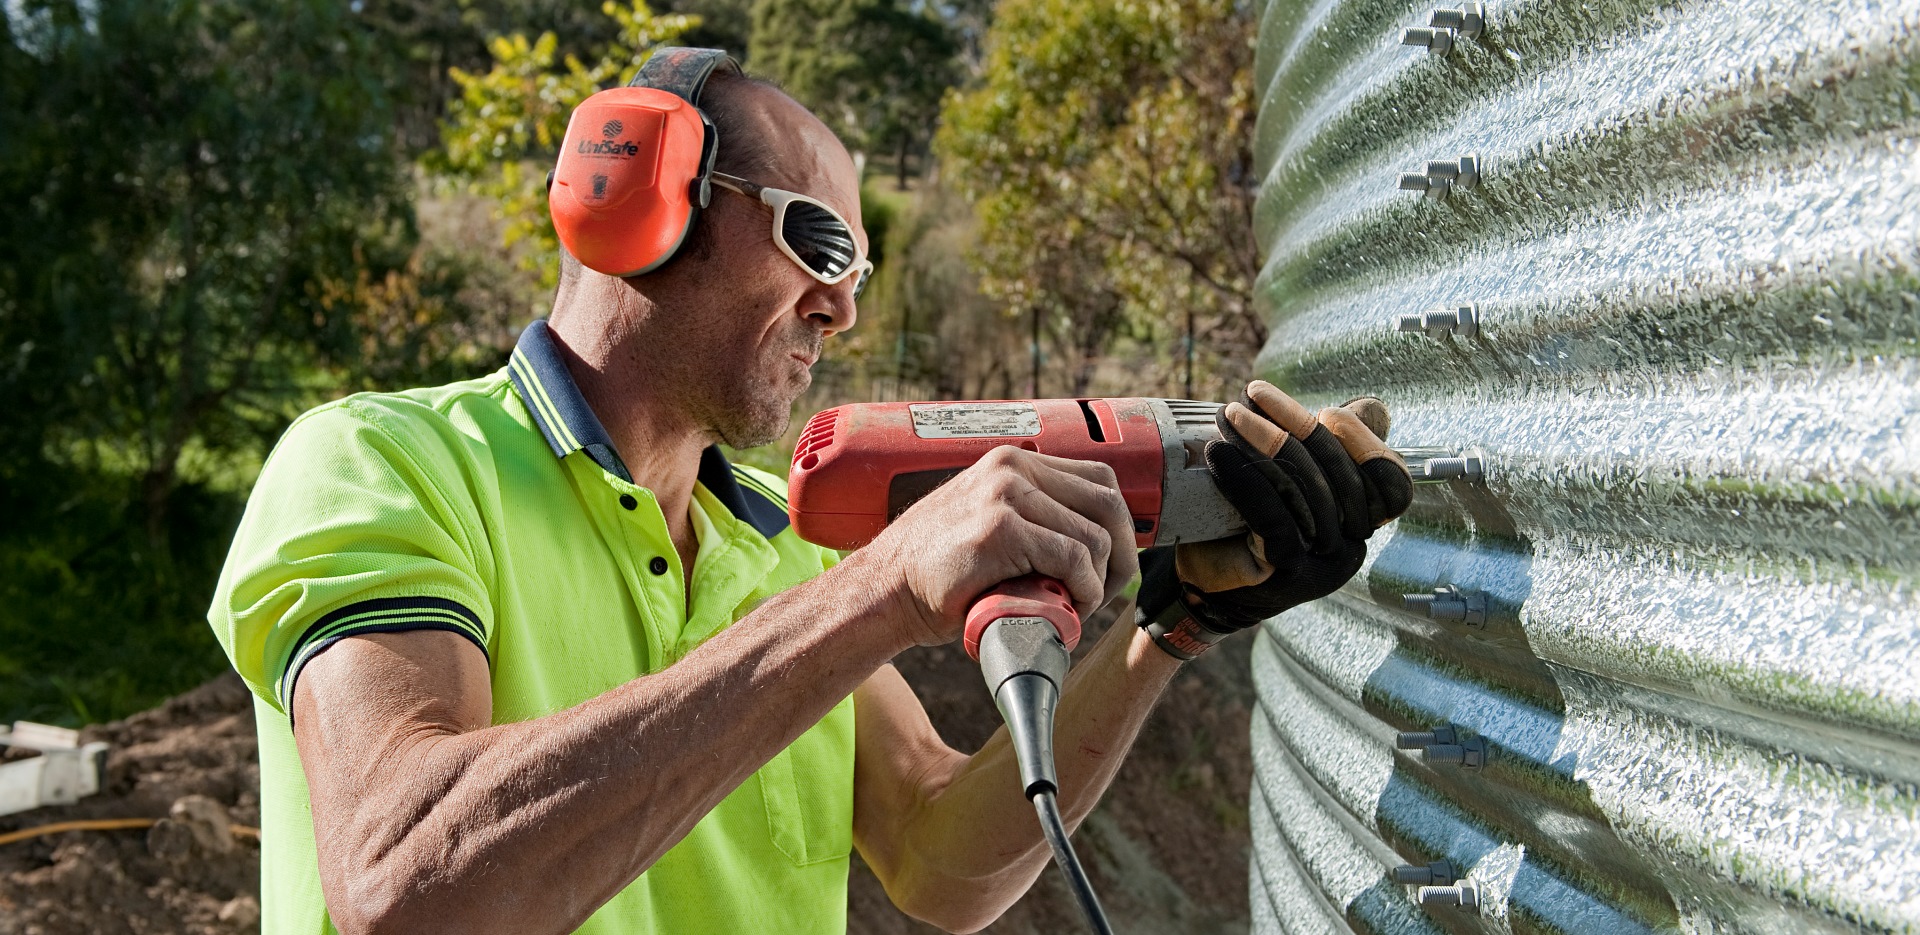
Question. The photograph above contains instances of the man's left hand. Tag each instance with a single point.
(1312, 490)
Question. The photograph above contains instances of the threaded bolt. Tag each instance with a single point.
(1436, 41)
(1470, 753)
(1422, 739)
(1470, 20)
(1463, 894)
(1449, 603)
(1468, 466)
(1438, 873)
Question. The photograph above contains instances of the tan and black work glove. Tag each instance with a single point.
(1312, 490)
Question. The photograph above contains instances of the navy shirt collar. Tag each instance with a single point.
(540, 376)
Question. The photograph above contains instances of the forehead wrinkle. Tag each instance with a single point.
(808, 158)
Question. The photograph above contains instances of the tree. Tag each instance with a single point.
(1107, 152)
(874, 70)
(185, 177)
(209, 228)
(724, 24)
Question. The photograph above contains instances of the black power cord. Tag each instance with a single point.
(1055, 831)
(1025, 663)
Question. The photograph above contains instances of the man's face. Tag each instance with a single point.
(744, 324)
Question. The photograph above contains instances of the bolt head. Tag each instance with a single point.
(1469, 318)
(1468, 170)
(1473, 20)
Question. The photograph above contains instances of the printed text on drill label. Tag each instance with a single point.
(974, 420)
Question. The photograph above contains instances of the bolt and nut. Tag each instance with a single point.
(1462, 320)
(1449, 603)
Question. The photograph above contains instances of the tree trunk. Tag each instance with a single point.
(900, 164)
(156, 490)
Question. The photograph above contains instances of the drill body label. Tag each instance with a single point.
(975, 420)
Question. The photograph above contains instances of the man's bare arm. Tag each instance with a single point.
(429, 820)
(950, 836)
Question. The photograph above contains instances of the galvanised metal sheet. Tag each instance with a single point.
(1692, 260)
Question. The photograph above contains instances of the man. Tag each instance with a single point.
(530, 656)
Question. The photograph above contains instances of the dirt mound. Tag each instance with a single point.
(198, 747)
(1167, 850)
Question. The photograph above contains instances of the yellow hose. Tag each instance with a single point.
(104, 824)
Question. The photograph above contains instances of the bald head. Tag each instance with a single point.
(768, 137)
(743, 110)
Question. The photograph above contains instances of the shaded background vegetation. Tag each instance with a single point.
(222, 212)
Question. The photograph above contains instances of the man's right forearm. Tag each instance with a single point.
(429, 820)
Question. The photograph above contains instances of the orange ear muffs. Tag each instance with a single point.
(630, 179)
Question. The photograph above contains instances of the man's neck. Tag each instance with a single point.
(660, 445)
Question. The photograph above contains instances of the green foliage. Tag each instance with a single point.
(1106, 150)
(724, 24)
(187, 179)
(874, 70)
(205, 199)
(503, 132)
(96, 622)
(931, 328)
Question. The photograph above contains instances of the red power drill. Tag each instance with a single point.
(856, 468)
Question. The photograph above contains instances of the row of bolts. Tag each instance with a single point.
(1441, 177)
(1443, 745)
(1440, 883)
(1443, 30)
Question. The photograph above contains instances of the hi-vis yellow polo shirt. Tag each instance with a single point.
(497, 509)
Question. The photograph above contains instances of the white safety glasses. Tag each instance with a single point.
(808, 232)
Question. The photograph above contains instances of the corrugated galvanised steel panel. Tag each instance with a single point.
(1694, 258)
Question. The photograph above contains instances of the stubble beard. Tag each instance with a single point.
(759, 412)
(754, 423)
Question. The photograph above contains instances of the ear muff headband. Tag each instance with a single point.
(634, 165)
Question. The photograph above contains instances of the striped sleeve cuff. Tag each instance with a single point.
(381, 615)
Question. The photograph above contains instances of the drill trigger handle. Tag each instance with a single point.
(1025, 596)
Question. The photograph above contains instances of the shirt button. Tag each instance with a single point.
(658, 566)
(627, 500)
